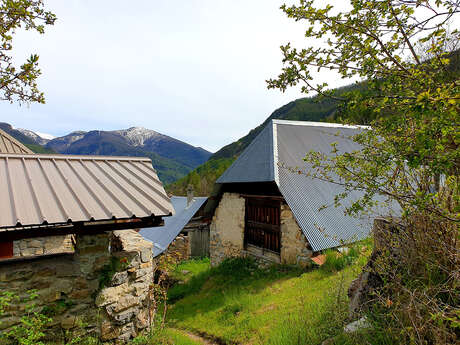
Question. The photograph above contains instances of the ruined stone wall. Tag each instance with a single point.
(294, 245)
(227, 228)
(43, 245)
(102, 289)
(180, 247)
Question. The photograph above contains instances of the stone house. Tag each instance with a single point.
(66, 231)
(266, 206)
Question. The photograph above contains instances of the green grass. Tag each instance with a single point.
(166, 336)
(237, 302)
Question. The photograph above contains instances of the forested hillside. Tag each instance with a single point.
(304, 109)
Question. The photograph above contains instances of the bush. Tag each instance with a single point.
(336, 261)
(32, 325)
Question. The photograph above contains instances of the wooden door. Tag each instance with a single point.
(262, 228)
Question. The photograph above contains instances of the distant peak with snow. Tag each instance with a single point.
(38, 137)
(137, 136)
(45, 135)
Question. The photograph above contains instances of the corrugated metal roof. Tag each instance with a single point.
(49, 189)
(329, 227)
(289, 142)
(8, 144)
(163, 236)
(255, 164)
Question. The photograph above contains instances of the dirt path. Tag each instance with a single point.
(196, 337)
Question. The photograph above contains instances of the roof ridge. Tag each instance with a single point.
(13, 142)
(76, 157)
(317, 124)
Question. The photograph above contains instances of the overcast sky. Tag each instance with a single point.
(191, 69)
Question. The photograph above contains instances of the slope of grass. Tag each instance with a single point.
(239, 303)
(39, 149)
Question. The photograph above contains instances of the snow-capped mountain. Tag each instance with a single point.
(172, 158)
(38, 137)
(61, 144)
(137, 136)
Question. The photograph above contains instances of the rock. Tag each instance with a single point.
(119, 278)
(146, 254)
(69, 322)
(125, 316)
(80, 294)
(141, 272)
(357, 325)
(35, 244)
(112, 294)
(108, 331)
(361, 289)
(125, 302)
(142, 319)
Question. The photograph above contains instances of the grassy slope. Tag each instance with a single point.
(39, 149)
(238, 303)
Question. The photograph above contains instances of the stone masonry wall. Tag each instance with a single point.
(102, 289)
(180, 247)
(227, 228)
(227, 234)
(125, 302)
(294, 245)
(43, 245)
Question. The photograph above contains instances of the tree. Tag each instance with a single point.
(411, 156)
(19, 83)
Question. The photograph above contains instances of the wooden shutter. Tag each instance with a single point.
(262, 225)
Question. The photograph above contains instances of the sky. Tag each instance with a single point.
(191, 69)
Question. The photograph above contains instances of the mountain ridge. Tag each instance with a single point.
(171, 157)
(315, 108)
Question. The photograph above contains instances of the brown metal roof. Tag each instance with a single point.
(8, 144)
(49, 189)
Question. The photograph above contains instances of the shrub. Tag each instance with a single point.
(336, 261)
(32, 325)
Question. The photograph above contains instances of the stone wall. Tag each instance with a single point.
(102, 289)
(227, 228)
(43, 245)
(227, 235)
(180, 247)
(294, 245)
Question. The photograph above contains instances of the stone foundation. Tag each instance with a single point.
(102, 289)
(227, 235)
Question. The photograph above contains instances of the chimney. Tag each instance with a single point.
(190, 195)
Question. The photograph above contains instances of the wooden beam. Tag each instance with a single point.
(272, 197)
(79, 228)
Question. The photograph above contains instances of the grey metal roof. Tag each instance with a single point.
(8, 144)
(54, 189)
(163, 236)
(255, 164)
(290, 141)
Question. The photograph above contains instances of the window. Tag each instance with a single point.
(262, 223)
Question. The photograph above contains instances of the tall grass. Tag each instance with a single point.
(238, 302)
(336, 261)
